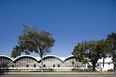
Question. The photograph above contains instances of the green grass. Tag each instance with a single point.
(60, 72)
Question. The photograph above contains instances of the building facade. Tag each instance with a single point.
(50, 63)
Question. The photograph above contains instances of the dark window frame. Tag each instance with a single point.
(53, 65)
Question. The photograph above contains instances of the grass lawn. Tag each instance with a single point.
(60, 72)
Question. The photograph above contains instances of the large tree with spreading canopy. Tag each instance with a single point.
(92, 51)
(112, 36)
(32, 40)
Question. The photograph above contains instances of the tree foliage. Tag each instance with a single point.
(112, 36)
(92, 51)
(16, 52)
(32, 40)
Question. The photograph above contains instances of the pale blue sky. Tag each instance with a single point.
(70, 21)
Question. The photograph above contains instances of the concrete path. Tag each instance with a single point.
(11, 74)
(58, 75)
(44, 73)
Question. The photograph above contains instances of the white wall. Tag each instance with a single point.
(106, 67)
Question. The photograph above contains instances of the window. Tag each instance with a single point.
(44, 65)
(77, 60)
(108, 63)
(12, 65)
(34, 65)
(53, 65)
(27, 65)
(72, 62)
(58, 65)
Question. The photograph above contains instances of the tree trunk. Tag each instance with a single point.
(103, 62)
(93, 63)
(42, 64)
(114, 60)
(114, 66)
(94, 67)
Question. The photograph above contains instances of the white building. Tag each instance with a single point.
(108, 64)
(51, 63)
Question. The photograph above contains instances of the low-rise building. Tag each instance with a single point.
(50, 63)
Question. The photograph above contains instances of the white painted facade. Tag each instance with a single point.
(108, 64)
(52, 63)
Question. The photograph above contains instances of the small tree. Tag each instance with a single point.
(112, 36)
(39, 42)
(92, 51)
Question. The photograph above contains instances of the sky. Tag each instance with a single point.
(70, 21)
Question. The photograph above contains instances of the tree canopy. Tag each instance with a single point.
(92, 51)
(32, 40)
(112, 36)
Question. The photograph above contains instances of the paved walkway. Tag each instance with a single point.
(59, 75)
(44, 73)
(47, 73)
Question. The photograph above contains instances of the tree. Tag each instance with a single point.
(16, 52)
(92, 51)
(105, 47)
(112, 36)
(32, 40)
